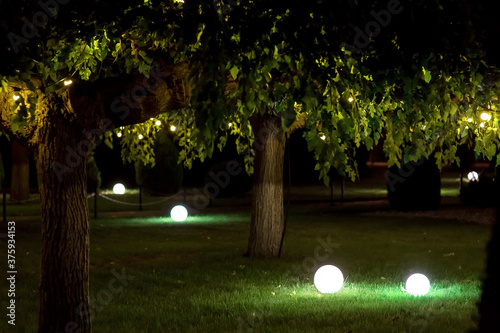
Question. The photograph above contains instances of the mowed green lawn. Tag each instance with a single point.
(192, 277)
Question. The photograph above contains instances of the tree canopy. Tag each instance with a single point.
(350, 76)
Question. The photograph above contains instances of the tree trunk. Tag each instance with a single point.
(60, 155)
(20, 179)
(489, 308)
(267, 224)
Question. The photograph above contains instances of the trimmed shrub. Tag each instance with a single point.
(167, 174)
(414, 186)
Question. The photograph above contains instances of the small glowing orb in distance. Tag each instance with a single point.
(173, 128)
(418, 285)
(67, 82)
(119, 188)
(179, 213)
(328, 279)
(473, 176)
(158, 123)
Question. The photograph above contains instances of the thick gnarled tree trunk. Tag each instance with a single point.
(64, 288)
(489, 308)
(268, 221)
(20, 179)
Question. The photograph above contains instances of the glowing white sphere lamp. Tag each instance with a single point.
(418, 285)
(473, 176)
(119, 188)
(179, 213)
(328, 279)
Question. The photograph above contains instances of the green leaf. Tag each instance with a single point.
(491, 149)
(427, 76)
(234, 72)
(369, 143)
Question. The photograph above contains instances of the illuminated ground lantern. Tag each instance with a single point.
(473, 176)
(119, 188)
(328, 279)
(179, 213)
(418, 285)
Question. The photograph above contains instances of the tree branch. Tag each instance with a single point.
(135, 99)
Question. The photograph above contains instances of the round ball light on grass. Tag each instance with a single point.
(328, 279)
(179, 213)
(418, 285)
(119, 188)
(473, 176)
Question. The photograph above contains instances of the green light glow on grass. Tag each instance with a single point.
(376, 294)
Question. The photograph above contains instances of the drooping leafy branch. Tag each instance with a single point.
(292, 60)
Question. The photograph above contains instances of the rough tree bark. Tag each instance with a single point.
(20, 176)
(268, 219)
(64, 288)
